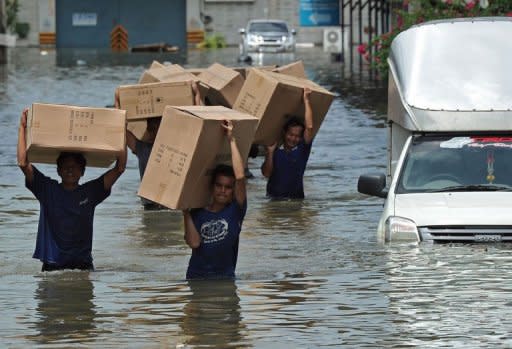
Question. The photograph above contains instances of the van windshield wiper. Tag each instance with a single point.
(473, 187)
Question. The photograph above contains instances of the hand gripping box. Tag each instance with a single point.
(98, 133)
(224, 84)
(190, 143)
(274, 97)
(149, 100)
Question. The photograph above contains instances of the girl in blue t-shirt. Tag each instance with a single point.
(284, 166)
(213, 232)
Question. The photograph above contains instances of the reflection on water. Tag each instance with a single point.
(212, 315)
(291, 215)
(65, 312)
(161, 229)
(310, 273)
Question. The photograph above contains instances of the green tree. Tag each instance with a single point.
(418, 11)
(11, 10)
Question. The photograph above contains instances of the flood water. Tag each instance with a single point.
(310, 273)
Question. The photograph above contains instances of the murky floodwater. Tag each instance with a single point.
(310, 273)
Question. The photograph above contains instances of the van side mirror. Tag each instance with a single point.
(372, 184)
(293, 31)
(241, 31)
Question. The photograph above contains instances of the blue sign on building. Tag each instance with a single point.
(319, 13)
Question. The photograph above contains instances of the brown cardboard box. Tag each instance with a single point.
(246, 70)
(166, 73)
(189, 144)
(293, 69)
(224, 83)
(98, 133)
(148, 100)
(195, 71)
(242, 70)
(156, 64)
(274, 97)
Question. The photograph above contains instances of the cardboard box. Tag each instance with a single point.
(245, 70)
(224, 83)
(156, 64)
(166, 73)
(98, 133)
(195, 71)
(189, 144)
(149, 100)
(293, 69)
(242, 70)
(275, 97)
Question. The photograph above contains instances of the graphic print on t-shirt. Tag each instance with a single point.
(214, 231)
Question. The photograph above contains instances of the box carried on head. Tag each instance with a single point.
(190, 143)
(149, 100)
(98, 133)
(275, 97)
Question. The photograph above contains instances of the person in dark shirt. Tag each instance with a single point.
(65, 230)
(142, 148)
(213, 232)
(284, 166)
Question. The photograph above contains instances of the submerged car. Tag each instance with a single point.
(267, 35)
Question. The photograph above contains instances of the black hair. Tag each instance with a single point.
(78, 157)
(292, 122)
(222, 170)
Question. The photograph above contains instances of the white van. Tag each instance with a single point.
(450, 134)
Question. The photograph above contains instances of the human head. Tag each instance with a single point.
(78, 158)
(293, 132)
(223, 184)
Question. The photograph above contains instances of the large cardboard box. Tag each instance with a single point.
(275, 97)
(224, 83)
(166, 73)
(98, 133)
(293, 69)
(189, 144)
(263, 67)
(148, 100)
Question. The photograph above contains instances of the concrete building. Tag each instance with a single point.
(224, 17)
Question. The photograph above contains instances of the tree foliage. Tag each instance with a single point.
(418, 11)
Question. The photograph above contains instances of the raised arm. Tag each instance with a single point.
(238, 164)
(268, 165)
(23, 162)
(308, 117)
(192, 237)
(131, 141)
(197, 93)
(113, 174)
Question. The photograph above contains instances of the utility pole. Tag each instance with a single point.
(3, 22)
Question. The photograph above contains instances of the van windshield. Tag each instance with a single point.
(442, 164)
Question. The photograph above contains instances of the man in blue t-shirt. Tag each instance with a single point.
(64, 233)
(284, 166)
(213, 232)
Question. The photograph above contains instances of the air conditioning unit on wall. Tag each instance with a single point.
(332, 40)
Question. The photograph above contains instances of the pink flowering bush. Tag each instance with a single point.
(377, 51)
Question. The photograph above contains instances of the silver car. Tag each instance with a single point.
(267, 35)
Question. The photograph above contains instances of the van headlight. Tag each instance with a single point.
(400, 229)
